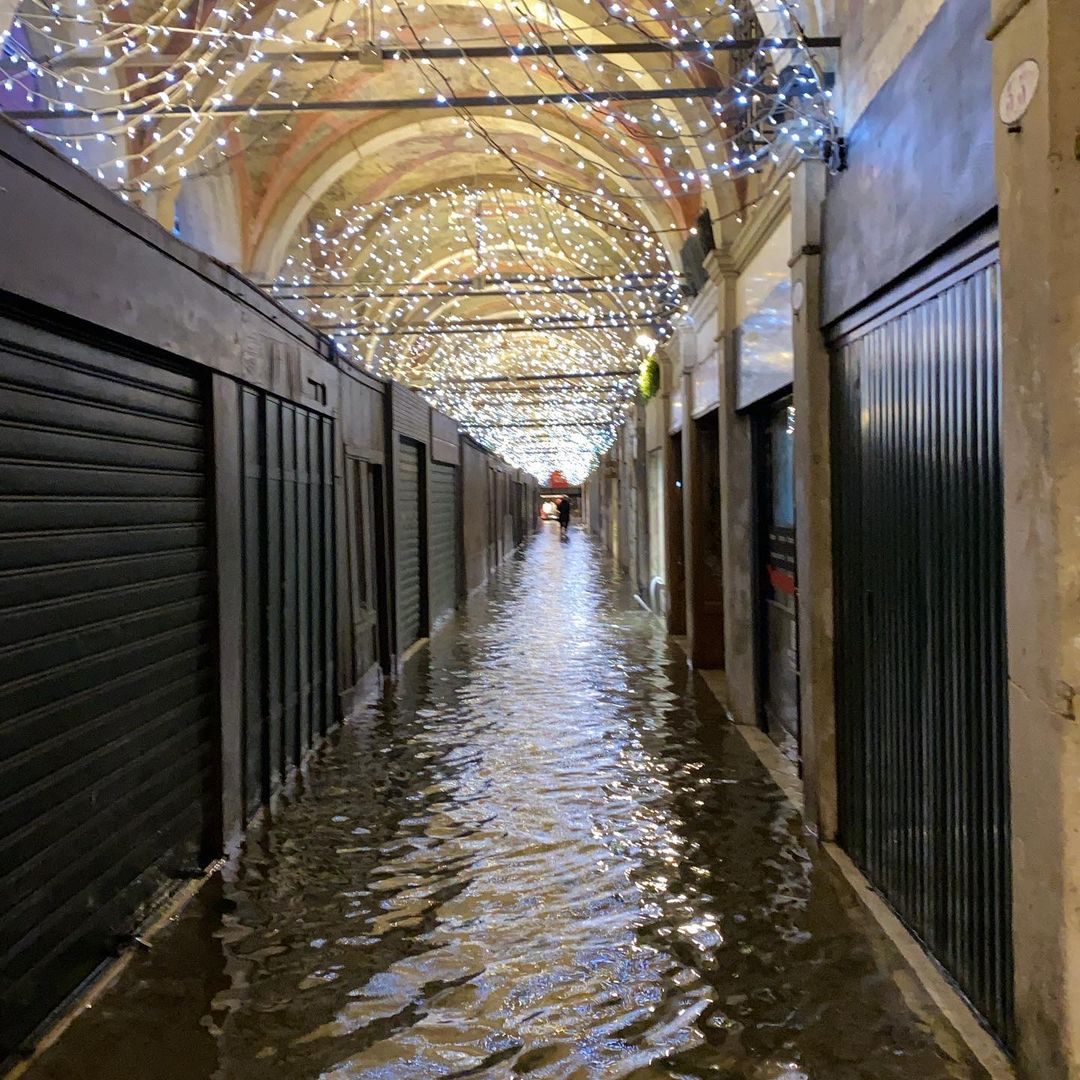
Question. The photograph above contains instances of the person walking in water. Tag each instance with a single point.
(564, 515)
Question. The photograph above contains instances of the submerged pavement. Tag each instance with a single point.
(545, 854)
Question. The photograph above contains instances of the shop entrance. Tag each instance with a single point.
(776, 574)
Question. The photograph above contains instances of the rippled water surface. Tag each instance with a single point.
(546, 854)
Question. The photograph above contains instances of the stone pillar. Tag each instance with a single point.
(160, 204)
(675, 571)
(739, 520)
(1038, 168)
(209, 214)
(7, 15)
(640, 481)
(686, 501)
(813, 505)
(628, 499)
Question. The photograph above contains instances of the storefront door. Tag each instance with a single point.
(780, 689)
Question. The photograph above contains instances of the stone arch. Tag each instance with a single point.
(281, 225)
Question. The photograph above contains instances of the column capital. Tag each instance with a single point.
(718, 264)
(667, 370)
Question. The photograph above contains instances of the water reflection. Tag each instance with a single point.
(545, 855)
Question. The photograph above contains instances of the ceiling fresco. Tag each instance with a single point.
(487, 200)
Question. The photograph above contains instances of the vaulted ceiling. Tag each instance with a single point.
(488, 200)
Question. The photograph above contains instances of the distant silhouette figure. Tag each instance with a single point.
(564, 515)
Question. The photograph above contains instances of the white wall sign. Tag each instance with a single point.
(798, 295)
(1018, 93)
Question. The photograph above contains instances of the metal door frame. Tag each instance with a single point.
(371, 467)
(760, 415)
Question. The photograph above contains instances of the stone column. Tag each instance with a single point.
(675, 571)
(640, 481)
(1038, 168)
(7, 16)
(208, 208)
(739, 520)
(160, 204)
(813, 505)
(628, 499)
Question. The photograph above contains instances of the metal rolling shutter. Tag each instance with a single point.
(922, 720)
(444, 547)
(107, 655)
(288, 578)
(518, 510)
(324, 678)
(257, 767)
(410, 562)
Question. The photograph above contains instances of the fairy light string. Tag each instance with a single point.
(564, 260)
(211, 70)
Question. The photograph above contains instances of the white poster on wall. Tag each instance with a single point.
(764, 342)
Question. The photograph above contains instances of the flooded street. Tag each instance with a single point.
(546, 854)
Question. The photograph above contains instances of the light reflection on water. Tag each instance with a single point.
(546, 855)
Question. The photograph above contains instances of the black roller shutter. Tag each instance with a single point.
(107, 655)
(257, 779)
(408, 504)
(288, 579)
(324, 568)
(518, 490)
(444, 545)
(922, 721)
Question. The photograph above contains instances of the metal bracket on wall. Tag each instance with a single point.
(835, 152)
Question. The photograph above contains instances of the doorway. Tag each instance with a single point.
(676, 552)
(705, 571)
(657, 546)
(776, 591)
(411, 506)
(367, 569)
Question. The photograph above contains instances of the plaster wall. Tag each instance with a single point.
(920, 162)
(877, 35)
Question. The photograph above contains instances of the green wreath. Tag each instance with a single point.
(649, 379)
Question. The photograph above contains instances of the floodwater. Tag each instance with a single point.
(546, 854)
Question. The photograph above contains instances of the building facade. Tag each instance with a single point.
(859, 475)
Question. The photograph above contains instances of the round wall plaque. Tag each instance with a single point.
(1018, 93)
(798, 295)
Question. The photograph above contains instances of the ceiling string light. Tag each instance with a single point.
(155, 117)
(543, 394)
(516, 300)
